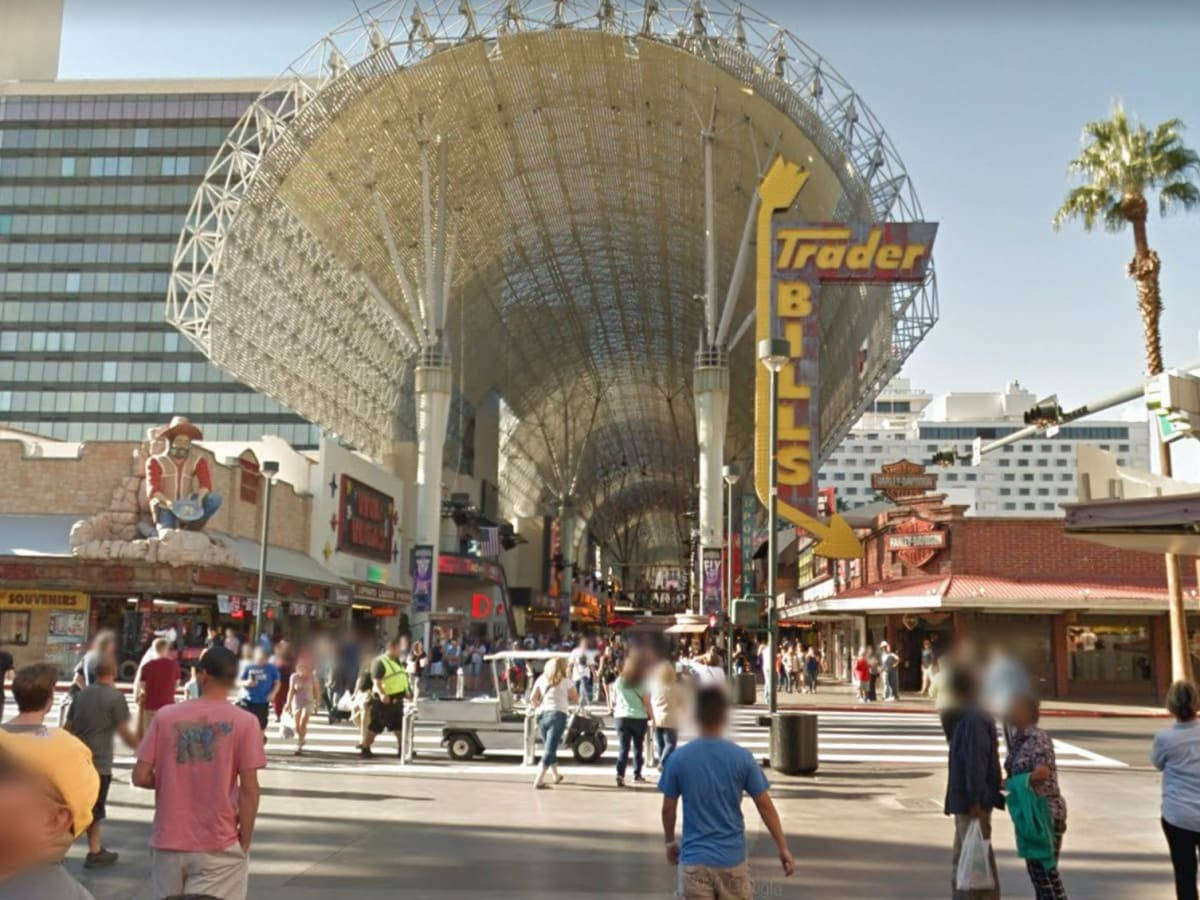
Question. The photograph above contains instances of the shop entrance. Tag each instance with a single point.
(937, 628)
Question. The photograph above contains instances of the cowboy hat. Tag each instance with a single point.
(180, 425)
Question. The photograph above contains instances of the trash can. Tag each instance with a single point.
(745, 689)
(794, 743)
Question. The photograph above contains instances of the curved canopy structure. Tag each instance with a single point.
(570, 134)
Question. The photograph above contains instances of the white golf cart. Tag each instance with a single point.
(498, 722)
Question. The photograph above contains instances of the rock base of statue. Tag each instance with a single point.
(117, 532)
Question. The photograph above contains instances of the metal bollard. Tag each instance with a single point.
(460, 683)
(530, 726)
(408, 726)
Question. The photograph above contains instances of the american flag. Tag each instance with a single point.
(489, 541)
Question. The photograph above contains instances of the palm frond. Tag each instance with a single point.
(1119, 157)
(1178, 195)
(1089, 204)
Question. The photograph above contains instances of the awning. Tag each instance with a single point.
(1161, 524)
(36, 535)
(282, 562)
(687, 628)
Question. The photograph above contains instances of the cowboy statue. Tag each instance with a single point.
(178, 480)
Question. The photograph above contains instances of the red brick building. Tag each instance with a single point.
(1089, 621)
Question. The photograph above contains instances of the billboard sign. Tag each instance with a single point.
(366, 521)
(795, 258)
(901, 480)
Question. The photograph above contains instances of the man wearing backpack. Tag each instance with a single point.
(389, 679)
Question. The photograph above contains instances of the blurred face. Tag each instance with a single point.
(33, 821)
(1021, 712)
(260, 656)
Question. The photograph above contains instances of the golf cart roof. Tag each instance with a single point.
(528, 654)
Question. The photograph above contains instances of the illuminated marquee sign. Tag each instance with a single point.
(794, 259)
(366, 521)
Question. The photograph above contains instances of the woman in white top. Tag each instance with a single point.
(552, 697)
(666, 700)
(1176, 754)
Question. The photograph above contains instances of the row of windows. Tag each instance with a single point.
(112, 194)
(89, 342)
(31, 311)
(894, 406)
(90, 223)
(1065, 433)
(183, 373)
(141, 253)
(192, 403)
(100, 166)
(111, 138)
(84, 282)
(300, 435)
(128, 106)
(1041, 492)
(1010, 507)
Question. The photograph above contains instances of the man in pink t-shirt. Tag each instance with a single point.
(202, 758)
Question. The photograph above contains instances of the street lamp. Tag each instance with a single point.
(774, 353)
(731, 476)
(270, 468)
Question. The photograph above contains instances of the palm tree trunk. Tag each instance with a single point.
(1144, 269)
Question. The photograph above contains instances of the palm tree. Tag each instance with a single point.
(1120, 163)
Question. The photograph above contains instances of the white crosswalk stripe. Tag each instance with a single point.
(850, 736)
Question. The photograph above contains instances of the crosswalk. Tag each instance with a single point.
(855, 736)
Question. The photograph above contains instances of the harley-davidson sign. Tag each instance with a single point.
(899, 480)
(916, 541)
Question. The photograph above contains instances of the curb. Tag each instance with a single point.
(1047, 712)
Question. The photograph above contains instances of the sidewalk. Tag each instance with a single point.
(837, 696)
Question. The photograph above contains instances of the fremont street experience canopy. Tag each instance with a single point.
(517, 192)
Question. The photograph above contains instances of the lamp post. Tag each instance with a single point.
(774, 353)
(730, 474)
(270, 468)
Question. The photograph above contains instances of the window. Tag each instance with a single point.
(1009, 476)
(249, 481)
(1010, 506)
(1061, 463)
(1004, 462)
(858, 476)
(971, 476)
(1023, 462)
(1030, 506)
(1005, 492)
(1027, 476)
(14, 627)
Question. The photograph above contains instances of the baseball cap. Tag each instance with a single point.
(62, 759)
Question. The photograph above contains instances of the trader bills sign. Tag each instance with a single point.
(795, 258)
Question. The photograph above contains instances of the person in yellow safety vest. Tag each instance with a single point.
(389, 677)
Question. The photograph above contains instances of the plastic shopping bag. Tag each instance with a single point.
(346, 702)
(287, 725)
(974, 870)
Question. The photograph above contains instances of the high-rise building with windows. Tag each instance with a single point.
(1033, 477)
(95, 180)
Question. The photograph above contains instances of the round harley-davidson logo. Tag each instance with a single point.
(916, 541)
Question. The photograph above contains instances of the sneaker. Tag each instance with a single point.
(558, 779)
(620, 781)
(366, 753)
(639, 779)
(100, 859)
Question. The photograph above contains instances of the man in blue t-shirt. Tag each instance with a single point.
(710, 773)
(259, 683)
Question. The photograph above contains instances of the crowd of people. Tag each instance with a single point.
(199, 738)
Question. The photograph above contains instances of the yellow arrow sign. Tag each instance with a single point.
(777, 191)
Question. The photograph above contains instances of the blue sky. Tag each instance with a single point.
(984, 106)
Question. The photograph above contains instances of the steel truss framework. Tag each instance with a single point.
(571, 135)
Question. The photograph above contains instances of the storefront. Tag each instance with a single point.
(378, 611)
(472, 592)
(44, 625)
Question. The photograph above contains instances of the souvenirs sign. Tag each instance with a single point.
(794, 258)
(900, 480)
(366, 521)
(32, 599)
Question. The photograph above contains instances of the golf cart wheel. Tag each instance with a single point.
(460, 747)
(587, 749)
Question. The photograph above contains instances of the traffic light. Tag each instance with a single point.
(1046, 413)
(746, 612)
(945, 457)
(1174, 398)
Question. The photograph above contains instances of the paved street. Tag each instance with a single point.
(868, 824)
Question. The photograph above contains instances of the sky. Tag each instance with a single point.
(984, 103)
